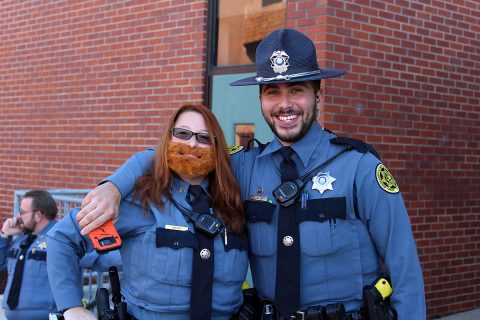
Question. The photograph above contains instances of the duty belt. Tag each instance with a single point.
(305, 315)
(334, 311)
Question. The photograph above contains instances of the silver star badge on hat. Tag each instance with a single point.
(323, 181)
(279, 61)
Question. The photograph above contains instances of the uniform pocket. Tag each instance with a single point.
(318, 223)
(259, 216)
(231, 259)
(172, 256)
(330, 241)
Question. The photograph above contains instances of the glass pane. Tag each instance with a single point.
(242, 24)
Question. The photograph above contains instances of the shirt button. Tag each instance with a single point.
(205, 254)
(287, 241)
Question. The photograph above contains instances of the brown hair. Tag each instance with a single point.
(43, 201)
(223, 186)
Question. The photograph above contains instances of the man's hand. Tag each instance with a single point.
(11, 227)
(79, 313)
(100, 205)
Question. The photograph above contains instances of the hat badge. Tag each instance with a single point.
(279, 61)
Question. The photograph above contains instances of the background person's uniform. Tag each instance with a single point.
(157, 261)
(36, 298)
(339, 255)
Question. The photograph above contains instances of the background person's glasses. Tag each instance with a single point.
(25, 212)
(185, 134)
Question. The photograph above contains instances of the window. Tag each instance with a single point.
(242, 24)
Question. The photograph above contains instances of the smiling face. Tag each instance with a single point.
(290, 109)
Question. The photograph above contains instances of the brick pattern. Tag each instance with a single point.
(413, 91)
(85, 84)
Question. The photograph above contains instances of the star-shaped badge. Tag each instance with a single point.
(323, 181)
(43, 245)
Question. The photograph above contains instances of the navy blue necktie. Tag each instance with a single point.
(14, 293)
(203, 262)
(287, 287)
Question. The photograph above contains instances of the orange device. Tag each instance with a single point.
(105, 238)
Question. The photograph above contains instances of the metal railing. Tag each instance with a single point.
(66, 200)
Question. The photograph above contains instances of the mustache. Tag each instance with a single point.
(183, 149)
(192, 161)
(285, 112)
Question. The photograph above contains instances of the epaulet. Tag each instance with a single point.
(356, 144)
(261, 146)
(232, 149)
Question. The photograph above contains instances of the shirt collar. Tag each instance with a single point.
(305, 147)
(180, 186)
(46, 228)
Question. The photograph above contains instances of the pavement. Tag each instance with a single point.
(469, 315)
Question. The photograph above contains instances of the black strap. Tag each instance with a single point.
(14, 293)
(203, 262)
(356, 144)
(287, 288)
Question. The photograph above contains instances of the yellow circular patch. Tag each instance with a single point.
(385, 179)
(234, 149)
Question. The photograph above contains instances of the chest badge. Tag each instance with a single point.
(323, 182)
(42, 245)
(259, 196)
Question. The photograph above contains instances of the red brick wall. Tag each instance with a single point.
(84, 84)
(413, 91)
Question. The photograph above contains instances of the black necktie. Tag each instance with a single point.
(287, 287)
(14, 293)
(203, 263)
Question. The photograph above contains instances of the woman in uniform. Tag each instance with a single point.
(184, 252)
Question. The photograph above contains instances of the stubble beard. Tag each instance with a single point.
(291, 137)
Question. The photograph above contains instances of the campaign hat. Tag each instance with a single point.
(287, 55)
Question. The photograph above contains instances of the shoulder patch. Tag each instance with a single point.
(385, 179)
(232, 149)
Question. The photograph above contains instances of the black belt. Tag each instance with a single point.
(314, 313)
(302, 315)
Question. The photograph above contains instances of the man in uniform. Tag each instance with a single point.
(23, 251)
(325, 217)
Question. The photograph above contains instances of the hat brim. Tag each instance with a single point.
(323, 74)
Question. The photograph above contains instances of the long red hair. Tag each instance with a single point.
(224, 190)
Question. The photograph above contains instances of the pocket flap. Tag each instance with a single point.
(259, 211)
(235, 241)
(175, 239)
(38, 255)
(324, 209)
(12, 253)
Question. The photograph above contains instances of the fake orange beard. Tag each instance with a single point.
(183, 159)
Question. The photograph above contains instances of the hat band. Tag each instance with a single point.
(288, 76)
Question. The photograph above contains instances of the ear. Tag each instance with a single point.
(38, 216)
(320, 98)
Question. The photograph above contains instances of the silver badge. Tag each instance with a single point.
(205, 254)
(287, 241)
(279, 61)
(323, 181)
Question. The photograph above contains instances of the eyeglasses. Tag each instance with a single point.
(25, 212)
(185, 134)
